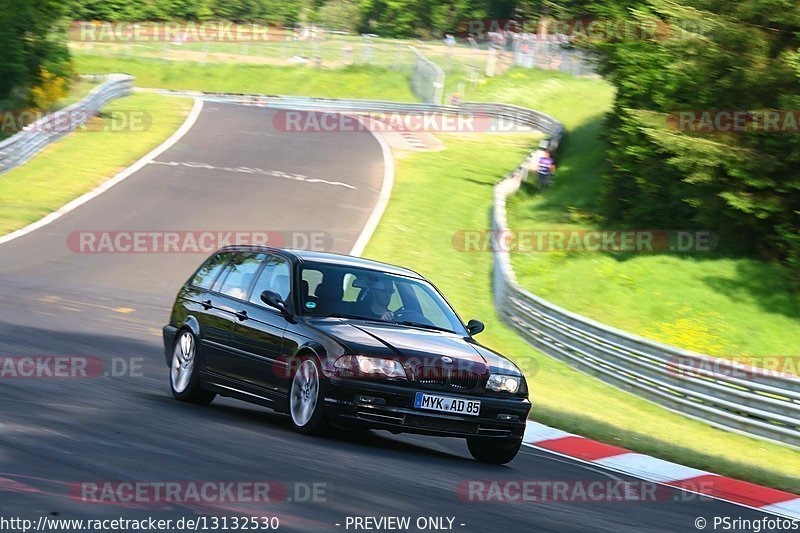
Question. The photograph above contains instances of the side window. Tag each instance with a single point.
(311, 280)
(210, 270)
(350, 292)
(274, 277)
(240, 273)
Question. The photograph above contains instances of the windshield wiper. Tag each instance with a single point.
(424, 326)
(351, 317)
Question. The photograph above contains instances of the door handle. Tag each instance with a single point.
(241, 315)
(207, 304)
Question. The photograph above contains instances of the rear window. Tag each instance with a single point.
(240, 274)
(205, 277)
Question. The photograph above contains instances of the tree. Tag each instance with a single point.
(33, 40)
(707, 55)
(339, 15)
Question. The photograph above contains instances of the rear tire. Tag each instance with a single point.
(494, 451)
(183, 379)
(306, 399)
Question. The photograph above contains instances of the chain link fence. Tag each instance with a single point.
(551, 54)
(427, 79)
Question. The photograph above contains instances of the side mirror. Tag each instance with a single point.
(273, 299)
(475, 326)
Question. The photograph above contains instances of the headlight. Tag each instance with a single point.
(503, 383)
(361, 365)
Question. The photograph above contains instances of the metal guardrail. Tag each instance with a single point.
(721, 393)
(22, 146)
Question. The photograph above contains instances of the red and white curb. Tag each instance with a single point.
(659, 471)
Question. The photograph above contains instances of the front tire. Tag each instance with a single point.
(494, 451)
(183, 379)
(306, 400)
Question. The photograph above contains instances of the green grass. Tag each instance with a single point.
(722, 306)
(347, 82)
(83, 160)
(417, 231)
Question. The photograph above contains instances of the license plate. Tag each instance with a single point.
(447, 404)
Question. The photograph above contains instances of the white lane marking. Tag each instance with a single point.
(258, 171)
(383, 198)
(106, 185)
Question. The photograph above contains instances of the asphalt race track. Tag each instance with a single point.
(232, 171)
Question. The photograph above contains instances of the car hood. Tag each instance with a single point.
(415, 346)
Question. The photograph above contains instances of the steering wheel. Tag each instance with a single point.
(411, 315)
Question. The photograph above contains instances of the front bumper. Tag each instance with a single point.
(500, 417)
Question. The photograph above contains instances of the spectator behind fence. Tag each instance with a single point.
(545, 168)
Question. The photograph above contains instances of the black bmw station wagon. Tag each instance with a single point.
(343, 341)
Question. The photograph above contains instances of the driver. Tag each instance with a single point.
(378, 299)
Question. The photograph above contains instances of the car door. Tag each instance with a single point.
(258, 333)
(225, 301)
(204, 304)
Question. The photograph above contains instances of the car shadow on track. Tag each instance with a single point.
(278, 424)
(149, 390)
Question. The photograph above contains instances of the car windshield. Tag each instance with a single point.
(351, 292)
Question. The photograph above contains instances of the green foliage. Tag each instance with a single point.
(715, 55)
(389, 18)
(339, 15)
(33, 41)
(278, 11)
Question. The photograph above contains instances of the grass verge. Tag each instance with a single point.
(417, 231)
(82, 160)
(347, 82)
(729, 307)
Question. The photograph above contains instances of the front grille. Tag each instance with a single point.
(432, 375)
(455, 379)
(463, 379)
(441, 424)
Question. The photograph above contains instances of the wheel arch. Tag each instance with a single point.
(192, 324)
